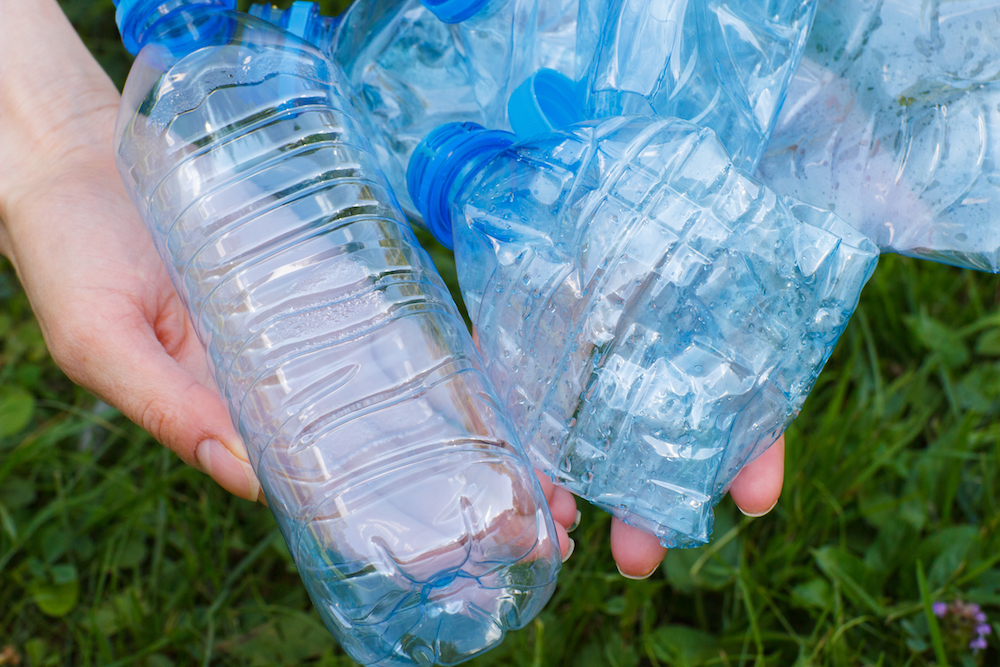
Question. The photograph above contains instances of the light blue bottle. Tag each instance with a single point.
(408, 504)
(504, 41)
(405, 67)
(652, 318)
(720, 64)
(893, 120)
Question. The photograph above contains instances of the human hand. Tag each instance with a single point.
(105, 304)
(110, 315)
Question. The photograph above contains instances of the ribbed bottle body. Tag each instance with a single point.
(651, 317)
(407, 503)
(893, 121)
(722, 65)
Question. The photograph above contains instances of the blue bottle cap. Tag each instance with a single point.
(454, 11)
(442, 164)
(546, 101)
(135, 18)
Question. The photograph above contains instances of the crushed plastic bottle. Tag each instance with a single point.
(651, 317)
(504, 41)
(893, 121)
(723, 65)
(407, 502)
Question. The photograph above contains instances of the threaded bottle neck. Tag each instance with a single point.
(444, 164)
(137, 21)
(455, 11)
(302, 19)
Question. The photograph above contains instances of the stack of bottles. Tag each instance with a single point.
(663, 213)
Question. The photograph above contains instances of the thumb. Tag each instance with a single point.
(130, 369)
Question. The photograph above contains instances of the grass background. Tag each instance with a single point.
(114, 553)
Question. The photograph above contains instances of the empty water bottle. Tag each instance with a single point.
(504, 41)
(722, 65)
(407, 502)
(893, 120)
(651, 317)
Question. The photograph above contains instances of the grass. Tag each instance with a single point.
(114, 553)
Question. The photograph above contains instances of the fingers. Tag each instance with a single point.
(129, 368)
(561, 502)
(757, 487)
(562, 505)
(636, 553)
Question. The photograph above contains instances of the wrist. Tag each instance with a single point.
(57, 106)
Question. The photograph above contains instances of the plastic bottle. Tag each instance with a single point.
(893, 120)
(504, 41)
(651, 317)
(408, 504)
(723, 65)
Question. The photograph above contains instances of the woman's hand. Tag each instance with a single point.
(110, 316)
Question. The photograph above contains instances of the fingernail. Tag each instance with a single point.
(640, 577)
(757, 515)
(576, 523)
(230, 472)
(572, 547)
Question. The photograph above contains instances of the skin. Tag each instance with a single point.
(110, 316)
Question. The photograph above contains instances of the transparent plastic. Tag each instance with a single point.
(893, 120)
(652, 318)
(505, 41)
(409, 75)
(396, 478)
(720, 64)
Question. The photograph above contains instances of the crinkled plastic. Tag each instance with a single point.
(652, 317)
(893, 121)
(505, 41)
(720, 64)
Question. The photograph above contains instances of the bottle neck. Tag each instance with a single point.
(138, 21)
(442, 167)
(302, 19)
(455, 11)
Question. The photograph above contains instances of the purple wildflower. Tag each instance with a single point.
(964, 625)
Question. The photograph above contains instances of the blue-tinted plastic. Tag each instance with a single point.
(455, 11)
(442, 165)
(508, 40)
(893, 119)
(408, 504)
(303, 20)
(547, 100)
(651, 317)
(137, 22)
(409, 76)
(721, 64)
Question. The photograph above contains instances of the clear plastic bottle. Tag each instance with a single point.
(723, 65)
(652, 318)
(396, 478)
(504, 41)
(893, 120)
